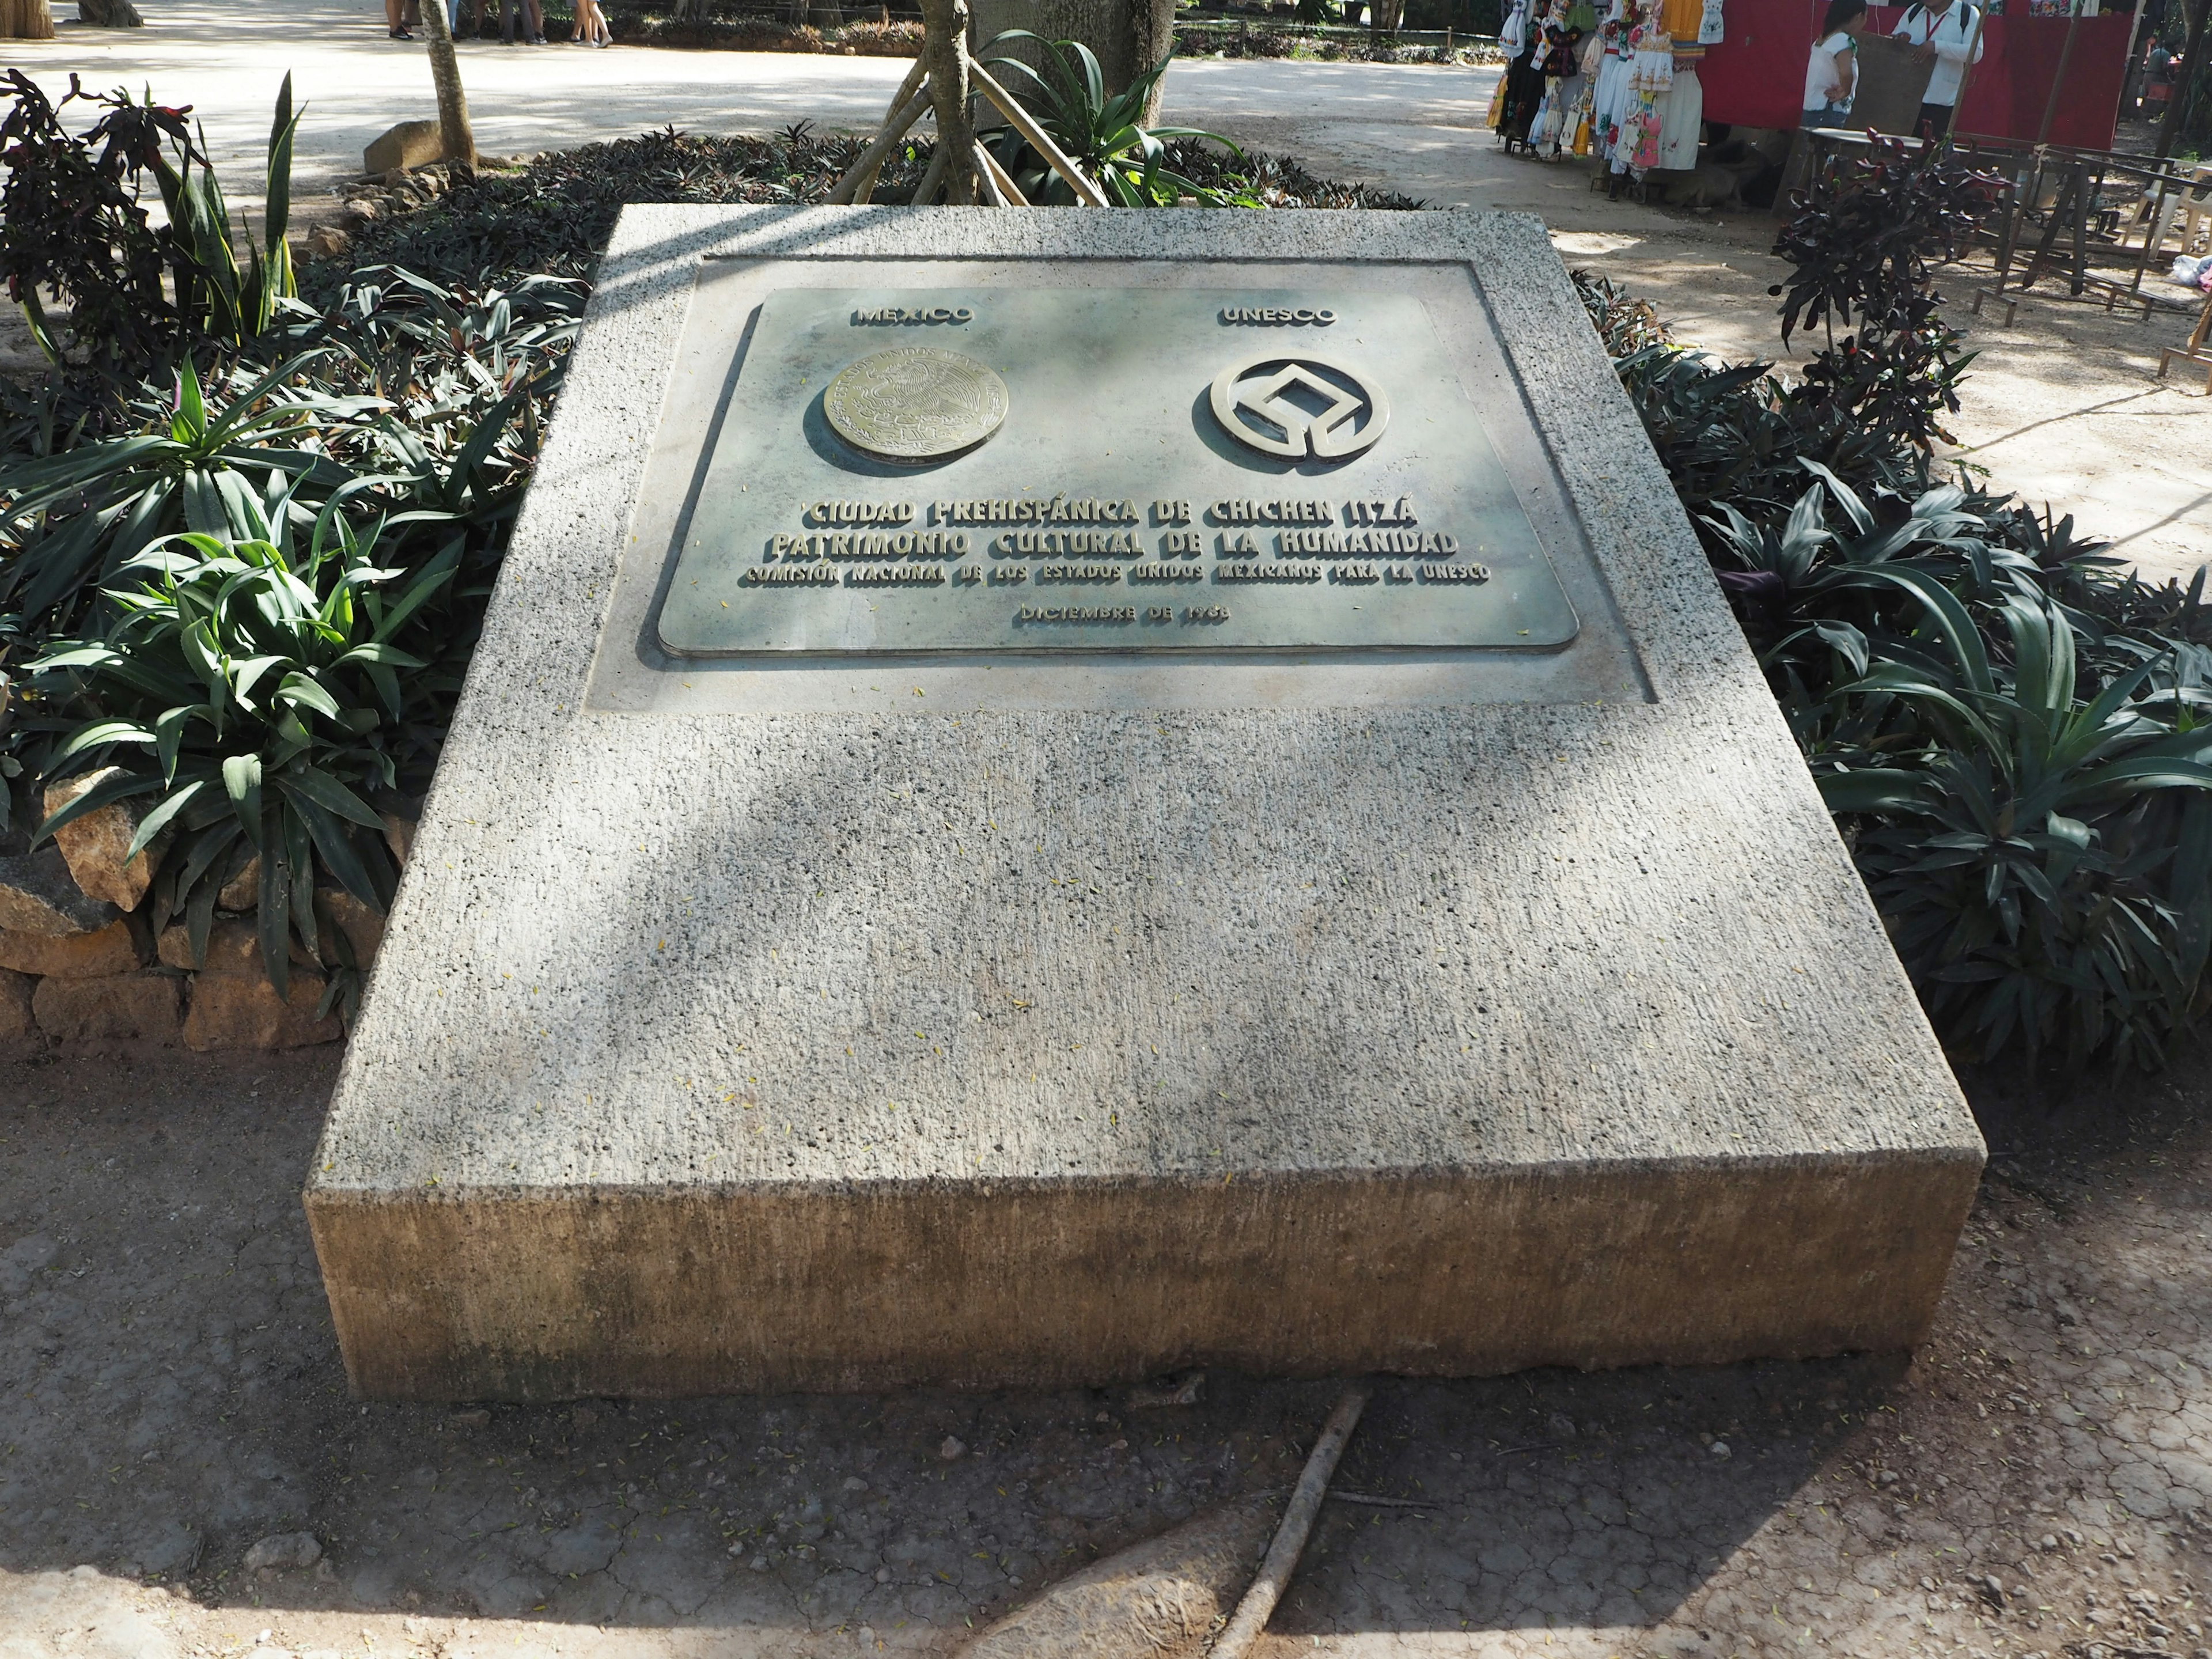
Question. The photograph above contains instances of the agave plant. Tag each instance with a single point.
(1104, 137)
(257, 703)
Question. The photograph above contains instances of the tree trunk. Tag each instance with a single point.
(2184, 82)
(1130, 37)
(26, 20)
(944, 29)
(460, 144)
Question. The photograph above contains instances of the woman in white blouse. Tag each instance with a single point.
(1832, 73)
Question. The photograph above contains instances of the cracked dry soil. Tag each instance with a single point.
(2034, 1482)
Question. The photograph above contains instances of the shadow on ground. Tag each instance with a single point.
(172, 1394)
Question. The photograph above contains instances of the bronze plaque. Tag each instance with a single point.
(1104, 469)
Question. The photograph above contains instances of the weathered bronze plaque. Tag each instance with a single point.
(1104, 469)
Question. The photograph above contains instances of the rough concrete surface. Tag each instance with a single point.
(1067, 1045)
(171, 1395)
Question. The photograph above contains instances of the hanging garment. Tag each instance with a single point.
(1610, 84)
(1651, 77)
(1683, 121)
(1551, 117)
(1710, 27)
(1513, 33)
(1523, 90)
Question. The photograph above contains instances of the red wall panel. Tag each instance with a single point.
(1756, 76)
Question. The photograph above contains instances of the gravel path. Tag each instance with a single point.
(170, 1397)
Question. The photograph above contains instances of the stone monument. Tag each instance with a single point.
(1048, 796)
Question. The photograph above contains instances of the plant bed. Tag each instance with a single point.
(1316, 45)
(2009, 727)
(552, 213)
(900, 38)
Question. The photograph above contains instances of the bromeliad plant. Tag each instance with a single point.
(258, 701)
(1104, 137)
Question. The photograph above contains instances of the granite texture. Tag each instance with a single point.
(1030, 1046)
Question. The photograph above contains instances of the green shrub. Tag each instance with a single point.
(257, 599)
(260, 697)
(2010, 728)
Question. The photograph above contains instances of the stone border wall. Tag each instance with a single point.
(81, 959)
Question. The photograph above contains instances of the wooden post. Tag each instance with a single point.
(2193, 65)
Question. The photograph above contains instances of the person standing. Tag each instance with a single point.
(1945, 31)
(592, 28)
(1832, 73)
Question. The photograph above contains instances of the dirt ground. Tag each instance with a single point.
(2034, 1482)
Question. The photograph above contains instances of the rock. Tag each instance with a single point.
(1720, 1450)
(1186, 1389)
(362, 925)
(37, 895)
(853, 1483)
(398, 835)
(285, 1549)
(328, 242)
(243, 891)
(172, 1552)
(142, 1007)
(18, 1026)
(71, 956)
(409, 144)
(242, 1011)
(109, 14)
(475, 1417)
(232, 948)
(951, 1450)
(583, 1417)
(1560, 1426)
(93, 845)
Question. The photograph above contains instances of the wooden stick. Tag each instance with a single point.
(872, 158)
(987, 182)
(1259, 1603)
(1001, 180)
(1025, 124)
(865, 186)
(933, 178)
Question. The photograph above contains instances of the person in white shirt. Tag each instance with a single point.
(1832, 73)
(1944, 30)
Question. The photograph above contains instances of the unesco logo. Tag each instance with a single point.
(1296, 405)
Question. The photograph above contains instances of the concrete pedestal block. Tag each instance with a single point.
(854, 1023)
